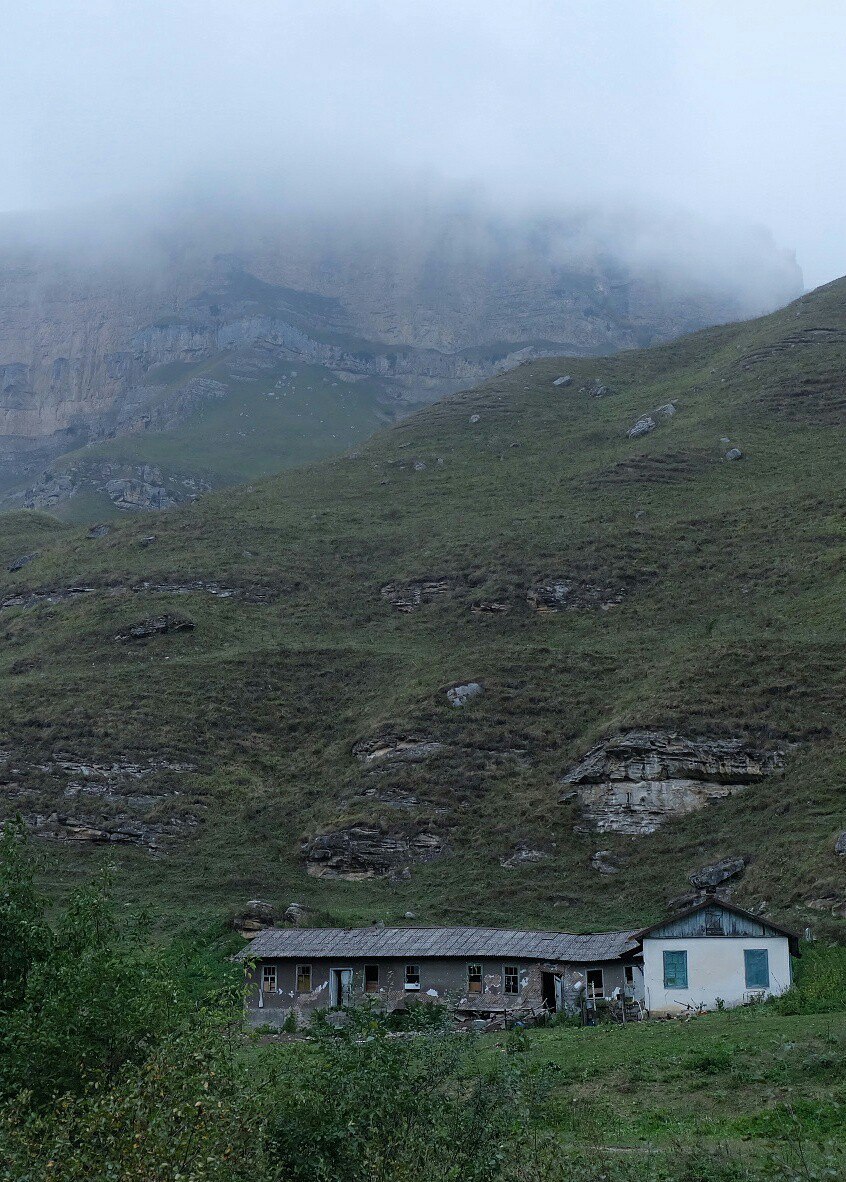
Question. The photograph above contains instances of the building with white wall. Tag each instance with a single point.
(712, 955)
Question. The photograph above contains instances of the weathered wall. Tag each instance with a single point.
(715, 969)
(442, 981)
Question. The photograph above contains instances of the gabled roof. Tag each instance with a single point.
(712, 901)
(463, 943)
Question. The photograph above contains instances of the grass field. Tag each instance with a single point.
(732, 578)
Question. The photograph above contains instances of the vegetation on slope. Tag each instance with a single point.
(731, 580)
(122, 1058)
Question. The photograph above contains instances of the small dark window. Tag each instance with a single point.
(511, 978)
(757, 965)
(675, 970)
(595, 983)
(474, 978)
(303, 978)
(412, 976)
(268, 978)
(371, 978)
(629, 971)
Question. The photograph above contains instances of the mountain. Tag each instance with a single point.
(542, 652)
(146, 357)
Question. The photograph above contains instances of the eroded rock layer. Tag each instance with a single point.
(635, 781)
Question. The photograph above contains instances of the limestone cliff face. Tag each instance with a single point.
(636, 781)
(89, 335)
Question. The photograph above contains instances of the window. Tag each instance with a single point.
(595, 983)
(511, 978)
(675, 970)
(629, 971)
(371, 978)
(268, 978)
(757, 964)
(303, 978)
(412, 976)
(474, 978)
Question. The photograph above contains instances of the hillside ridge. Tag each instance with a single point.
(506, 662)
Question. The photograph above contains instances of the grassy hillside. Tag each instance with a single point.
(289, 416)
(730, 578)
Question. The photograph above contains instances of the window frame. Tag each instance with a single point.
(511, 971)
(601, 992)
(475, 978)
(412, 970)
(757, 952)
(269, 973)
(371, 986)
(300, 974)
(675, 952)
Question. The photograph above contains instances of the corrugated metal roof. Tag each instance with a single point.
(443, 942)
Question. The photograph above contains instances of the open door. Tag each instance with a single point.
(341, 987)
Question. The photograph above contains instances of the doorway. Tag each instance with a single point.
(340, 987)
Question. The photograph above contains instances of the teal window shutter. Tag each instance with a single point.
(675, 970)
(757, 965)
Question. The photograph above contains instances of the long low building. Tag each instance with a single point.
(709, 952)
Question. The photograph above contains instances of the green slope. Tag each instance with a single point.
(293, 414)
(731, 576)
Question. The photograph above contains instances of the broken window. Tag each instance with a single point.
(303, 978)
(412, 976)
(268, 978)
(595, 983)
(371, 978)
(511, 978)
(675, 970)
(474, 978)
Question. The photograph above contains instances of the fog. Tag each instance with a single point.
(721, 121)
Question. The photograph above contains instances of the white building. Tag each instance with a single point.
(714, 954)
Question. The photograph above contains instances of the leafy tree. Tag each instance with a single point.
(25, 938)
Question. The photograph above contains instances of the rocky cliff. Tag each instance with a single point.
(104, 334)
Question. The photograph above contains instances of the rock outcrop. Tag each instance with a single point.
(121, 803)
(256, 917)
(369, 851)
(708, 877)
(572, 595)
(407, 597)
(635, 781)
(156, 626)
(396, 748)
(460, 695)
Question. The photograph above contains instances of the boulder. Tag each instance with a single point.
(840, 844)
(256, 917)
(566, 380)
(734, 453)
(99, 531)
(642, 427)
(460, 695)
(717, 873)
(635, 781)
(475, 418)
(295, 915)
(596, 389)
(605, 862)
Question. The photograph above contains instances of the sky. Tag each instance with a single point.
(732, 111)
